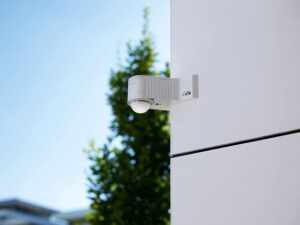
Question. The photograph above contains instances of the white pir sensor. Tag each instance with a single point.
(152, 92)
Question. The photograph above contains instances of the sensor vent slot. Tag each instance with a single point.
(158, 89)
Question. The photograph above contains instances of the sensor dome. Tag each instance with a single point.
(140, 106)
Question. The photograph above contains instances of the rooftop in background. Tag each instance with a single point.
(18, 212)
(26, 207)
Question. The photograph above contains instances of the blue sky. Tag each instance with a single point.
(55, 61)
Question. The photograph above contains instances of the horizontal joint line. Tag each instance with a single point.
(235, 143)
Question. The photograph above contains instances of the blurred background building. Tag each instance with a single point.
(18, 212)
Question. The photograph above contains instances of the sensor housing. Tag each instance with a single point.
(151, 92)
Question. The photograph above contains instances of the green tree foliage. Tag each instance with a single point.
(129, 184)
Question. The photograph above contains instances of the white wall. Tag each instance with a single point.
(247, 55)
(251, 184)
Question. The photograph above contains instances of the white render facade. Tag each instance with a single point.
(236, 149)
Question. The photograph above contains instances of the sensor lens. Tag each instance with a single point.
(140, 106)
